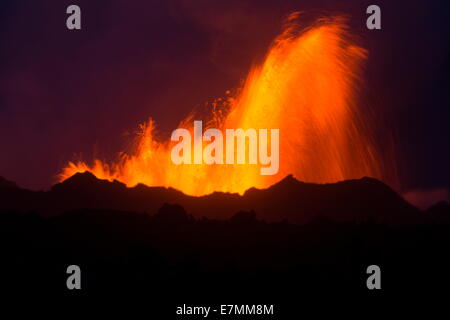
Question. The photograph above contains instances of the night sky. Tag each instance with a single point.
(67, 94)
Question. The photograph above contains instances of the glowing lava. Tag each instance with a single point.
(306, 87)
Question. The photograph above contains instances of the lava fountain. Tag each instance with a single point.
(306, 87)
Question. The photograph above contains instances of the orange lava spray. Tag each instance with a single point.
(306, 87)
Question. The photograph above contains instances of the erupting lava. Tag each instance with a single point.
(306, 87)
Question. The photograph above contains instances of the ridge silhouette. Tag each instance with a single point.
(165, 246)
(288, 200)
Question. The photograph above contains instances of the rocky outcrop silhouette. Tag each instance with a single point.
(288, 200)
(166, 246)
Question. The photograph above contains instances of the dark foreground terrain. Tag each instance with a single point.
(310, 241)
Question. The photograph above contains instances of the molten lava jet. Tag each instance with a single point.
(306, 87)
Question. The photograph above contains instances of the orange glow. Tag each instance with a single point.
(306, 87)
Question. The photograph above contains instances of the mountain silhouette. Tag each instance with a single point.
(163, 245)
(288, 200)
(6, 184)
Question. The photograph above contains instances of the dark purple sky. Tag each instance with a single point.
(66, 93)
